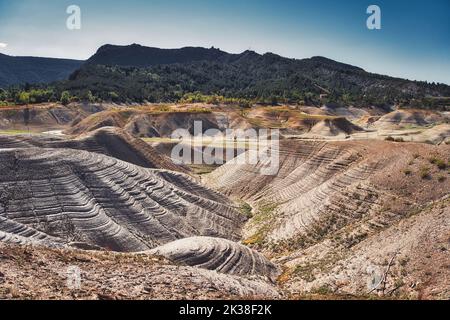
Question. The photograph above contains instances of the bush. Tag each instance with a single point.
(113, 96)
(389, 138)
(441, 164)
(246, 210)
(3, 95)
(40, 95)
(65, 98)
(87, 96)
(425, 173)
(24, 97)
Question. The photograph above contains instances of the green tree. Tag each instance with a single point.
(87, 96)
(113, 96)
(3, 95)
(24, 97)
(65, 98)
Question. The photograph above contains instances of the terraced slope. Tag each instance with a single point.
(67, 195)
(109, 141)
(153, 122)
(346, 181)
(46, 116)
(218, 254)
(333, 201)
(334, 127)
(410, 118)
(406, 260)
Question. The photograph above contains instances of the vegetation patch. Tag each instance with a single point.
(407, 171)
(263, 220)
(440, 163)
(425, 173)
(246, 209)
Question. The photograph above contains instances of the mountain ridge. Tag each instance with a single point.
(28, 69)
(105, 51)
(141, 56)
(138, 73)
(135, 73)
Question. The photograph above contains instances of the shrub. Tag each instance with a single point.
(322, 290)
(246, 210)
(113, 96)
(24, 97)
(441, 164)
(65, 98)
(389, 138)
(425, 173)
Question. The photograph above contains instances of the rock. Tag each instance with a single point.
(222, 255)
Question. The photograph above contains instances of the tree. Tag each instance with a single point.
(87, 96)
(65, 98)
(113, 96)
(24, 97)
(3, 95)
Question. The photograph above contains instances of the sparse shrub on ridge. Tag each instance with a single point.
(425, 173)
(441, 164)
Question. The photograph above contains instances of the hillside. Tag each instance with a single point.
(140, 56)
(60, 196)
(21, 70)
(137, 73)
(40, 273)
(109, 141)
(338, 216)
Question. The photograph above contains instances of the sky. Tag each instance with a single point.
(413, 42)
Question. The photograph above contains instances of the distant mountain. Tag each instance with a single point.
(20, 70)
(140, 56)
(137, 73)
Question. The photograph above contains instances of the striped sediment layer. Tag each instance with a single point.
(222, 255)
(109, 141)
(60, 196)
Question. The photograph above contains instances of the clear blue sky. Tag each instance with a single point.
(414, 41)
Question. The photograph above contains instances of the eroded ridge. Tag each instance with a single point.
(323, 187)
(78, 196)
(222, 255)
(109, 141)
